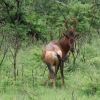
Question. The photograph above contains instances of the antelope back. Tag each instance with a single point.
(50, 52)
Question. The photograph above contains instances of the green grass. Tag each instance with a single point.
(82, 80)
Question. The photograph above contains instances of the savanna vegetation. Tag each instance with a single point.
(26, 26)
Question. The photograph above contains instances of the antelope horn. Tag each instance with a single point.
(66, 23)
(75, 23)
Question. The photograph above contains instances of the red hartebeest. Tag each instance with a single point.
(54, 53)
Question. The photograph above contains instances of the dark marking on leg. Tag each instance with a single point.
(50, 69)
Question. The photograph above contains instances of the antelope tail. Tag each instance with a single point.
(62, 59)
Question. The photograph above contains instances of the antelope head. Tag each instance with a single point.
(70, 35)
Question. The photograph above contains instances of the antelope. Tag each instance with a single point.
(54, 54)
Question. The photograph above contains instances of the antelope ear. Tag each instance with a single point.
(63, 34)
(67, 36)
(76, 35)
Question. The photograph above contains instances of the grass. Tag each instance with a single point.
(37, 93)
(82, 83)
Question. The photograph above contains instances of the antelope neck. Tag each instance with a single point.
(64, 46)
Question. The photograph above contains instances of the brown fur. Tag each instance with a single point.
(61, 48)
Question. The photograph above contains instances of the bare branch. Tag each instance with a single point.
(60, 10)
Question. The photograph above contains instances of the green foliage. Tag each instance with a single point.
(82, 81)
(90, 85)
(43, 16)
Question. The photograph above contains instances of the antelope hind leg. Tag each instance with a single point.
(49, 76)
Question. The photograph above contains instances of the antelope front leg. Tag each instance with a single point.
(62, 75)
